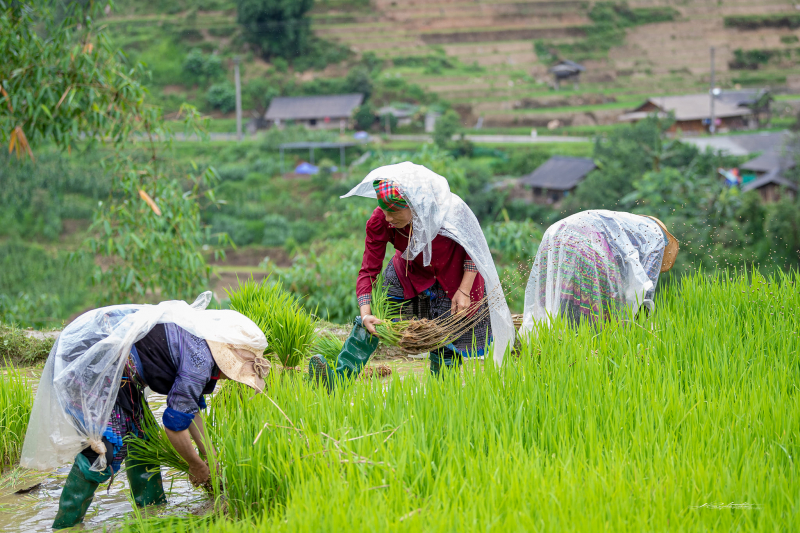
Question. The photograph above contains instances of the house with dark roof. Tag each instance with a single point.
(566, 71)
(693, 113)
(324, 112)
(772, 186)
(759, 101)
(765, 174)
(556, 178)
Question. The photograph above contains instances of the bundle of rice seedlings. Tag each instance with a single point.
(329, 346)
(155, 448)
(420, 335)
(288, 326)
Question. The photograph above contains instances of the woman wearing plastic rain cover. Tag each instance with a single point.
(442, 265)
(596, 264)
(91, 395)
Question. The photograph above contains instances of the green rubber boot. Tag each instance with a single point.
(78, 492)
(355, 354)
(145, 481)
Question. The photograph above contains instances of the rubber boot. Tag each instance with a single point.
(443, 357)
(145, 481)
(78, 492)
(355, 354)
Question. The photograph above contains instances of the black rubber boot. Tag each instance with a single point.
(443, 357)
(146, 485)
(355, 354)
(78, 492)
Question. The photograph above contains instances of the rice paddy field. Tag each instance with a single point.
(685, 421)
(16, 401)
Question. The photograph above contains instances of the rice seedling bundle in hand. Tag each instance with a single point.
(16, 401)
(155, 448)
(420, 335)
(288, 326)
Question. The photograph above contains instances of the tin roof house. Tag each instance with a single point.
(556, 178)
(323, 112)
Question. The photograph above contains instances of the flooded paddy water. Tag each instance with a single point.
(29, 499)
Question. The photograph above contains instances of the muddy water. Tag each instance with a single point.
(36, 510)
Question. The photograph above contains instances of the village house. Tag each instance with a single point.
(318, 112)
(692, 113)
(554, 179)
(765, 174)
(566, 71)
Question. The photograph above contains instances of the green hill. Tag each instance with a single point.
(488, 59)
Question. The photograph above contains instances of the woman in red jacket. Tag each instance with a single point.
(439, 268)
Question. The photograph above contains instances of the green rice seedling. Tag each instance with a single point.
(289, 328)
(154, 447)
(16, 401)
(329, 346)
(393, 326)
(686, 421)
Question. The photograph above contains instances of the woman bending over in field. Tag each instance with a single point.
(91, 395)
(596, 264)
(441, 266)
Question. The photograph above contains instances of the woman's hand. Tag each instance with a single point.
(460, 302)
(369, 322)
(199, 473)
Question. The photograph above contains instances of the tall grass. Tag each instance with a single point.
(687, 421)
(289, 328)
(16, 401)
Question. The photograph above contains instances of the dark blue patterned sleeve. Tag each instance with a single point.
(195, 369)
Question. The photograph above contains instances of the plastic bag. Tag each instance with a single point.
(437, 211)
(81, 378)
(594, 264)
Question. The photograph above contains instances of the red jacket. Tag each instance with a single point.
(447, 262)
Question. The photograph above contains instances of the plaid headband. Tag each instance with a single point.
(389, 197)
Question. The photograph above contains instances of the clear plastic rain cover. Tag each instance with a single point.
(437, 211)
(81, 378)
(593, 264)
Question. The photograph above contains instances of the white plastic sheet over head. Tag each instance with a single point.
(631, 239)
(81, 378)
(437, 211)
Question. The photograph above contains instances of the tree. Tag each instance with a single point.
(61, 81)
(624, 155)
(277, 27)
(358, 80)
(199, 66)
(447, 125)
(258, 93)
(783, 229)
(364, 116)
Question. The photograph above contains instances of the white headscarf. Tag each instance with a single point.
(437, 211)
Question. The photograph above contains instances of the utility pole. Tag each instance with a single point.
(238, 98)
(712, 127)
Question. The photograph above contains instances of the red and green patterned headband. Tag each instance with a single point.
(389, 197)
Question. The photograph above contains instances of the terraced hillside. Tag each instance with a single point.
(489, 58)
(500, 77)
